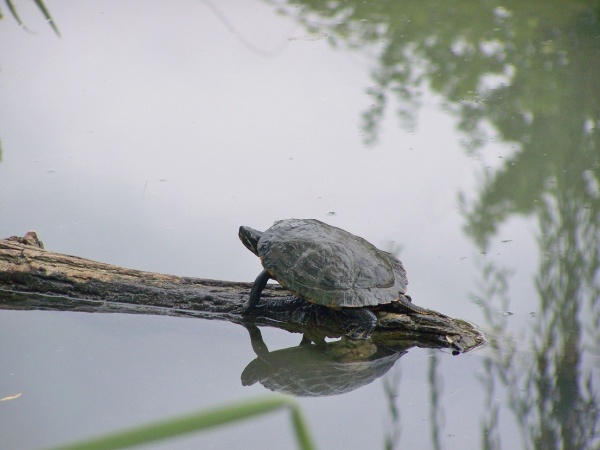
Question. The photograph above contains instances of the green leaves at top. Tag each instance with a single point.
(41, 7)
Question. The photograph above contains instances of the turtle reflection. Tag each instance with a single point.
(311, 370)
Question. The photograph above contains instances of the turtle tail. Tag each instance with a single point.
(404, 304)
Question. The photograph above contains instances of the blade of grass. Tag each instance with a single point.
(46, 13)
(13, 11)
(200, 421)
(42, 8)
(301, 429)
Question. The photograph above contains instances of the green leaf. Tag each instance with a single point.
(200, 421)
(13, 11)
(42, 8)
(46, 13)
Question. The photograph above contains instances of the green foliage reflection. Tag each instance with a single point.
(530, 72)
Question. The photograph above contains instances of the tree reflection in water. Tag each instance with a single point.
(531, 72)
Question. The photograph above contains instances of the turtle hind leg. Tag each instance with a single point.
(257, 288)
(359, 323)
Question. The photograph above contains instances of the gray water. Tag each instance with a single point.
(464, 140)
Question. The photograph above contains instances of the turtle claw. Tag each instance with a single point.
(245, 310)
(360, 323)
(358, 332)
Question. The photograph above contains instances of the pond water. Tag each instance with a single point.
(462, 139)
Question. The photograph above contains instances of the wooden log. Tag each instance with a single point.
(34, 278)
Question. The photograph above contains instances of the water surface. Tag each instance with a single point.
(463, 139)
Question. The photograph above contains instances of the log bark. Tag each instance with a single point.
(34, 278)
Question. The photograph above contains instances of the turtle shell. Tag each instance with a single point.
(329, 266)
(316, 371)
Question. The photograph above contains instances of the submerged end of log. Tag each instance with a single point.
(34, 278)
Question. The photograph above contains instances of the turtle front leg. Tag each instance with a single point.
(257, 288)
(360, 323)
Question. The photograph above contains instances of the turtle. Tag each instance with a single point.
(328, 266)
(310, 370)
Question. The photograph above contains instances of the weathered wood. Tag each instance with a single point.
(34, 278)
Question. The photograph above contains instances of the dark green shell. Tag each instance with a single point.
(329, 266)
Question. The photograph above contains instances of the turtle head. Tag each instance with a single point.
(249, 237)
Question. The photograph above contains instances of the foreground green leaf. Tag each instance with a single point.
(200, 421)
